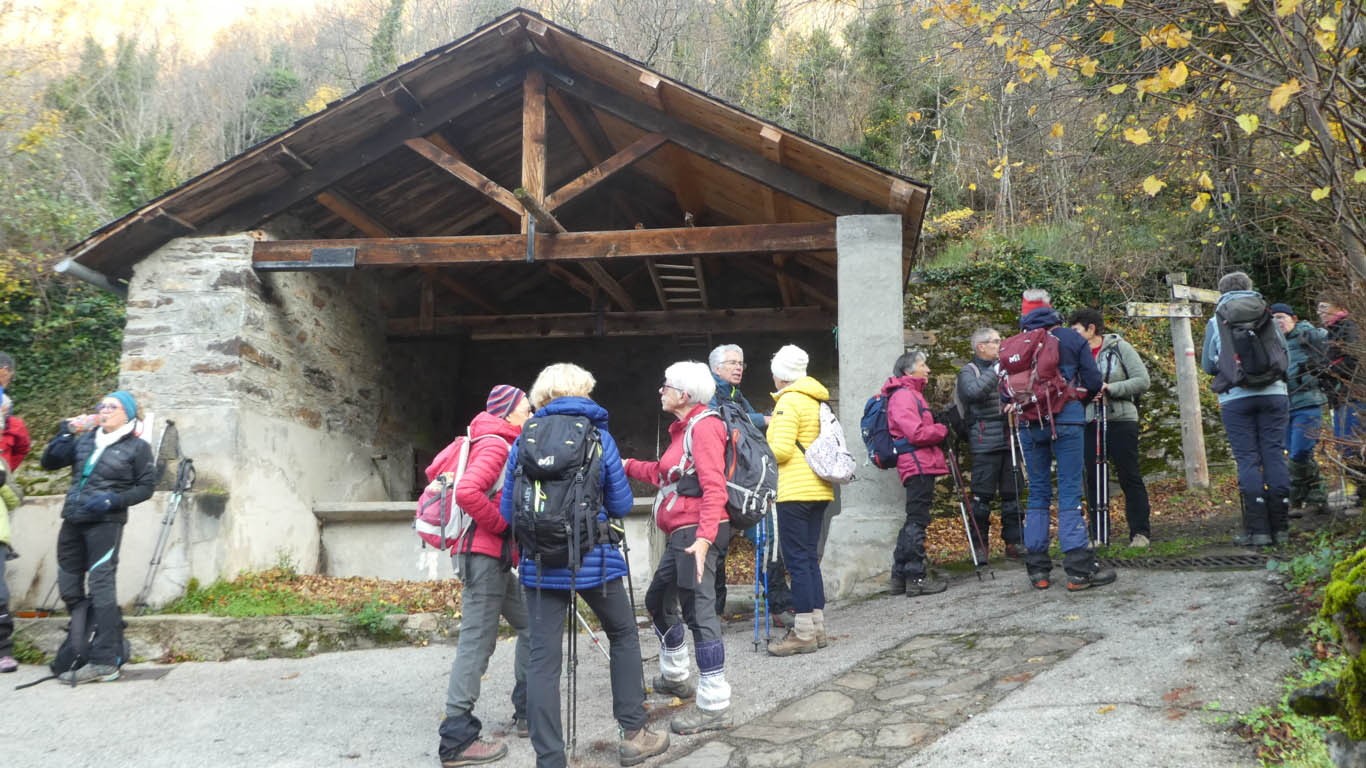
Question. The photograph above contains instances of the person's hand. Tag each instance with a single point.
(82, 423)
(698, 550)
(100, 503)
(1009, 409)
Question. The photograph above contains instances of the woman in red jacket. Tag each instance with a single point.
(909, 418)
(483, 556)
(691, 511)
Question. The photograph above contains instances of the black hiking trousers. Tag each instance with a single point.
(87, 566)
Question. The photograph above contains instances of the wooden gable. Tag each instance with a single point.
(526, 182)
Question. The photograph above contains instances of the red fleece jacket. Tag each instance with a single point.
(708, 511)
(14, 442)
(483, 473)
(909, 416)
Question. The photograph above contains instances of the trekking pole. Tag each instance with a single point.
(761, 580)
(956, 472)
(592, 636)
(183, 482)
(571, 693)
(619, 527)
(1103, 469)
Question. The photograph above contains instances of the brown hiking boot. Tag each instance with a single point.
(791, 644)
(478, 753)
(683, 689)
(696, 720)
(636, 747)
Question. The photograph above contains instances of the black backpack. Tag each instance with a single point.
(74, 652)
(1252, 353)
(751, 470)
(557, 489)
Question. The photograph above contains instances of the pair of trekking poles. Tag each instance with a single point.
(1100, 470)
(1020, 474)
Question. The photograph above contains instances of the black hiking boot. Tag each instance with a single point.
(1097, 578)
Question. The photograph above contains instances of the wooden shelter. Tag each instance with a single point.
(525, 182)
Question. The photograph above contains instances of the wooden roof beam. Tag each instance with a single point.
(824, 300)
(785, 287)
(353, 214)
(686, 192)
(703, 144)
(595, 324)
(545, 220)
(439, 139)
(605, 170)
(284, 157)
(384, 140)
(574, 281)
(460, 290)
(533, 137)
(609, 285)
(803, 237)
(490, 189)
(403, 98)
(776, 208)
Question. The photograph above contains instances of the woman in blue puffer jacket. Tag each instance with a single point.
(564, 389)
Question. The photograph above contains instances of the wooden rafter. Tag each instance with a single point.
(437, 138)
(460, 289)
(385, 139)
(609, 284)
(801, 237)
(284, 157)
(591, 324)
(679, 163)
(766, 271)
(545, 220)
(573, 281)
(347, 210)
(605, 170)
(703, 144)
(463, 171)
(533, 136)
(785, 288)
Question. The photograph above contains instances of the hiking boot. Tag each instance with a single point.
(683, 689)
(480, 752)
(822, 639)
(896, 586)
(636, 747)
(1040, 580)
(91, 673)
(1097, 578)
(791, 645)
(8, 664)
(1280, 538)
(1015, 552)
(1260, 540)
(1139, 541)
(696, 720)
(926, 585)
(522, 727)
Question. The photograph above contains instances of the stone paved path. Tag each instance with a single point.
(880, 711)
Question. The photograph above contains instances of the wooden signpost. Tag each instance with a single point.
(1184, 305)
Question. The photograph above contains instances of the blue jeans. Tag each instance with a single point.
(1346, 424)
(799, 536)
(1303, 432)
(1041, 449)
(1256, 432)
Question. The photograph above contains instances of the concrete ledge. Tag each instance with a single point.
(363, 511)
(217, 638)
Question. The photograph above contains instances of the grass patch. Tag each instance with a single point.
(261, 593)
(26, 652)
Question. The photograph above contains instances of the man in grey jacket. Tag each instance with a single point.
(993, 471)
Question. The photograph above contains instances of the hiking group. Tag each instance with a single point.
(529, 500)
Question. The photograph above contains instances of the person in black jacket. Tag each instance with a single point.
(993, 471)
(111, 470)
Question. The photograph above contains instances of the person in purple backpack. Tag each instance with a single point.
(1048, 436)
(909, 418)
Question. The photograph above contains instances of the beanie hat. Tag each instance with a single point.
(1282, 309)
(1028, 305)
(125, 398)
(503, 399)
(789, 363)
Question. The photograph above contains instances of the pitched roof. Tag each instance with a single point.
(433, 149)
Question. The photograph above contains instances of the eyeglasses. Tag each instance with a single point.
(666, 385)
(107, 406)
(734, 363)
(992, 341)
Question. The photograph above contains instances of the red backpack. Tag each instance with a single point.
(1032, 381)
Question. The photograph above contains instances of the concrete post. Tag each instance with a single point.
(870, 302)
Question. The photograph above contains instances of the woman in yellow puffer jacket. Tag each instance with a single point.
(802, 496)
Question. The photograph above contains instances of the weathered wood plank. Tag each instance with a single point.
(512, 217)
(609, 284)
(533, 136)
(1158, 309)
(545, 220)
(463, 171)
(605, 170)
(573, 246)
(353, 214)
(590, 324)
(1195, 294)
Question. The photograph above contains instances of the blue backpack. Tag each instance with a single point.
(877, 437)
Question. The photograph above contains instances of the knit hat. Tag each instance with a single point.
(1028, 305)
(503, 399)
(789, 363)
(125, 398)
(1282, 309)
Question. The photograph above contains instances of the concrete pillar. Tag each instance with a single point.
(872, 507)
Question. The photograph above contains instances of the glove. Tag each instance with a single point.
(99, 504)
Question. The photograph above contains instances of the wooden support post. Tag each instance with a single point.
(533, 137)
(1188, 395)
